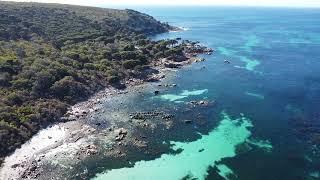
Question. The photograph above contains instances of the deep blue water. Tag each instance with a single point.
(273, 79)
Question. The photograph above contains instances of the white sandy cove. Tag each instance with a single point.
(196, 157)
(45, 145)
(30, 150)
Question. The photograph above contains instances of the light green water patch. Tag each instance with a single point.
(250, 63)
(309, 159)
(178, 102)
(254, 71)
(315, 174)
(256, 95)
(193, 93)
(251, 42)
(315, 37)
(171, 97)
(184, 94)
(225, 171)
(225, 51)
(293, 109)
(195, 157)
(263, 144)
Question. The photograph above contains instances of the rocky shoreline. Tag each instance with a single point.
(193, 49)
(52, 149)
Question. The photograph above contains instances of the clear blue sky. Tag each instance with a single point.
(282, 3)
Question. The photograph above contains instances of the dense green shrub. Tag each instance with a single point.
(113, 79)
(15, 98)
(130, 64)
(68, 87)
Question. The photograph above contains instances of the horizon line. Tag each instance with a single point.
(105, 5)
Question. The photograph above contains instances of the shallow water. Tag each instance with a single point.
(195, 157)
(272, 78)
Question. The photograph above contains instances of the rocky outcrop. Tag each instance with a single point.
(194, 47)
(150, 114)
(200, 103)
(121, 134)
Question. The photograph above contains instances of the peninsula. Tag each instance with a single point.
(53, 56)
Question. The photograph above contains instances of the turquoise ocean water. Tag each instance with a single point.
(265, 123)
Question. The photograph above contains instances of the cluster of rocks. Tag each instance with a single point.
(122, 133)
(91, 149)
(157, 92)
(196, 48)
(151, 114)
(167, 85)
(172, 65)
(140, 143)
(83, 109)
(32, 172)
(306, 129)
(178, 58)
(78, 113)
(133, 82)
(202, 103)
(87, 150)
(191, 51)
(199, 60)
(155, 78)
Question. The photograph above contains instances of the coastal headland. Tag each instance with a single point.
(61, 65)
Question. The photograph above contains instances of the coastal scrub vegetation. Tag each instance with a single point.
(52, 56)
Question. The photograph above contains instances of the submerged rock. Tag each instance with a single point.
(227, 61)
(151, 114)
(187, 121)
(167, 116)
(156, 92)
(155, 78)
(199, 59)
(123, 131)
(120, 137)
(171, 65)
(91, 149)
(15, 165)
(202, 103)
